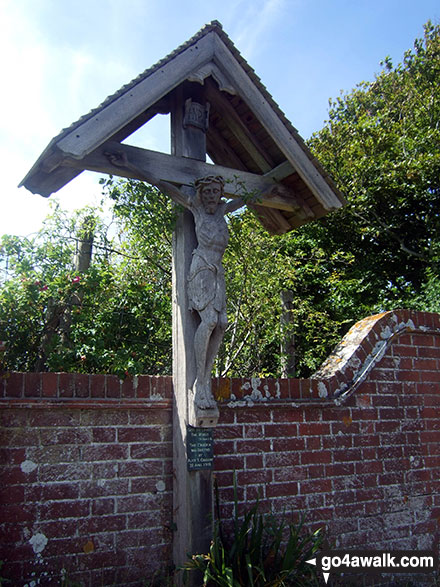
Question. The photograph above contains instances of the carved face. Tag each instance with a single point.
(210, 195)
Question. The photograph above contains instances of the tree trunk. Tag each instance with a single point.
(58, 318)
(288, 340)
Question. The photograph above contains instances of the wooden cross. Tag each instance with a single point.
(218, 107)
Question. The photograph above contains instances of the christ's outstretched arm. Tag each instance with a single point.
(120, 159)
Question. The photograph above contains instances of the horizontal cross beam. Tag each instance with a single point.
(183, 171)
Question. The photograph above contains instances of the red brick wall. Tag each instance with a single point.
(88, 468)
(87, 475)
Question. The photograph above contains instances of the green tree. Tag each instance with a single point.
(112, 317)
(258, 268)
(381, 251)
(382, 146)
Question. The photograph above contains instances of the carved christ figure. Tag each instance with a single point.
(206, 280)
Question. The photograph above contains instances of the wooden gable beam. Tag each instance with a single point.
(281, 171)
(238, 128)
(183, 171)
(162, 107)
(220, 151)
(272, 220)
(88, 136)
(291, 148)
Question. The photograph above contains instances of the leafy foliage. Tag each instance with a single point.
(263, 550)
(3, 580)
(258, 268)
(112, 318)
(381, 144)
(381, 251)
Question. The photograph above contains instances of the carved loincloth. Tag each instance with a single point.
(206, 284)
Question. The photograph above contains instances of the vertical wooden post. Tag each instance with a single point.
(193, 498)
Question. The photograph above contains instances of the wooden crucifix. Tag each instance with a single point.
(199, 312)
(204, 287)
(218, 107)
(193, 490)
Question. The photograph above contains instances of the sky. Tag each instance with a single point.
(62, 58)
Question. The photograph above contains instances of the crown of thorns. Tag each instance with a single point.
(199, 183)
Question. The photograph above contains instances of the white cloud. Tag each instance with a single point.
(46, 88)
(24, 66)
(257, 17)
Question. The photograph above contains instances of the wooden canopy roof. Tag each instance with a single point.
(248, 138)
